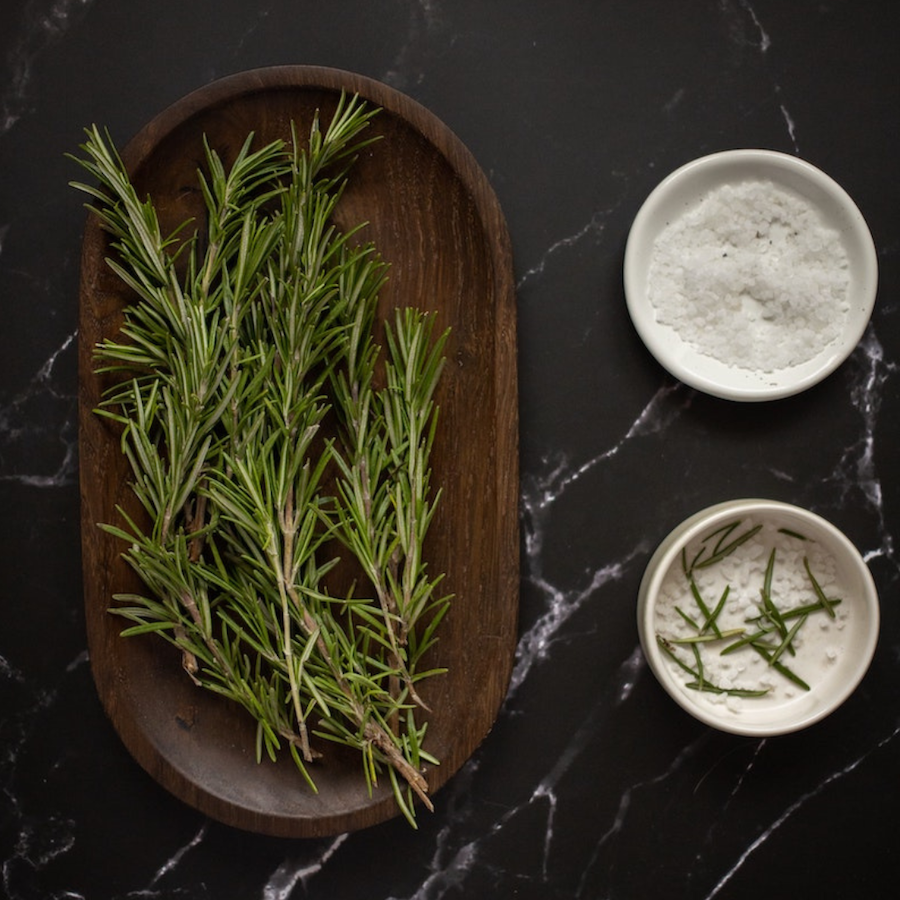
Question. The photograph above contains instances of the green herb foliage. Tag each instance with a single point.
(252, 336)
(773, 629)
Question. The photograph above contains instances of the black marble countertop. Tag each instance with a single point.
(593, 783)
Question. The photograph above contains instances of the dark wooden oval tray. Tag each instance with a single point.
(435, 219)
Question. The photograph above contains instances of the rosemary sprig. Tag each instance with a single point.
(248, 329)
(384, 491)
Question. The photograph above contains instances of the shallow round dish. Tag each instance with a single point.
(683, 190)
(832, 652)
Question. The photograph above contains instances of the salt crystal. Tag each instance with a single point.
(751, 277)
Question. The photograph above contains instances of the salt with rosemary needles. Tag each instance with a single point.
(751, 277)
(767, 564)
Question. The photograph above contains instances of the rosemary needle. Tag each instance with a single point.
(707, 638)
(826, 604)
(709, 618)
(747, 639)
(794, 534)
(687, 618)
(788, 638)
(778, 666)
(732, 692)
(698, 659)
(721, 551)
(712, 619)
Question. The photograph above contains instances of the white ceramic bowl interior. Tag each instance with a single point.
(685, 188)
(833, 656)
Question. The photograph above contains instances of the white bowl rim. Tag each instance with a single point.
(664, 556)
(690, 179)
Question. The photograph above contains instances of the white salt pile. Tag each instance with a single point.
(751, 277)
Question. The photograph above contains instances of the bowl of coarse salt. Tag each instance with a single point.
(750, 274)
(758, 617)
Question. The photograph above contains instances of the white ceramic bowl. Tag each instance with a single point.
(683, 190)
(832, 654)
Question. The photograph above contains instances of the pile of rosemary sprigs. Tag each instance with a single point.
(251, 338)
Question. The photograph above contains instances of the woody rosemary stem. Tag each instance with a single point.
(288, 531)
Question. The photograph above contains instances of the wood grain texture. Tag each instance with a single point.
(434, 218)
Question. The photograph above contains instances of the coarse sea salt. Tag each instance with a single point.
(751, 277)
(818, 644)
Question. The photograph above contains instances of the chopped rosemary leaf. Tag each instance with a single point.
(766, 593)
(687, 618)
(727, 528)
(669, 650)
(793, 612)
(712, 619)
(706, 638)
(788, 638)
(724, 534)
(826, 604)
(793, 534)
(779, 667)
(728, 548)
(731, 692)
(707, 614)
(747, 639)
(698, 659)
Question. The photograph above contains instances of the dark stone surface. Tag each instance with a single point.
(593, 784)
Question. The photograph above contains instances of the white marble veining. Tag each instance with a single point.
(764, 40)
(620, 821)
(856, 472)
(792, 808)
(791, 127)
(457, 856)
(43, 25)
(539, 494)
(459, 853)
(285, 879)
(18, 425)
(38, 845)
(172, 863)
(741, 16)
(593, 229)
(536, 646)
(38, 842)
(426, 24)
